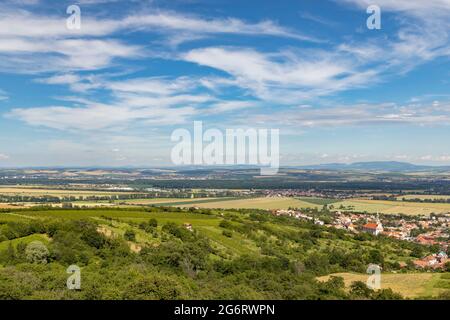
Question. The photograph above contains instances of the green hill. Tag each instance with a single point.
(176, 253)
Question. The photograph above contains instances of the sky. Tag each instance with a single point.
(112, 92)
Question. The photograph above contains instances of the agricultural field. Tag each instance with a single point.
(412, 285)
(424, 197)
(318, 201)
(392, 207)
(11, 205)
(270, 203)
(164, 201)
(265, 203)
(43, 191)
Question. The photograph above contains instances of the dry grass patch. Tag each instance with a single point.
(410, 285)
(266, 203)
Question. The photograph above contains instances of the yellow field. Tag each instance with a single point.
(161, 200)
(423, 197)
(36, 191)
(257, 203)
(393, 207)
(410, 285)
(9, 206)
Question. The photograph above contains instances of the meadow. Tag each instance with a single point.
(354, 205)
(45, 191)
(264, 203)
(392, 207)
(410, 285)
(424, 197)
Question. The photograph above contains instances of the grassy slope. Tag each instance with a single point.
(410, 285)
(34, 237)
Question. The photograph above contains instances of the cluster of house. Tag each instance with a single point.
(398, 228)
(437, 230)
(348, 222)
(298, 215)
(434, 261)
(304, 193)
(436, 233)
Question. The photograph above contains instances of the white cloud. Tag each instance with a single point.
(42, 43)
(423, 34)
(227, 106)
(28, 55)
(170, 21)
(3, 95)
(27, 24)
(100, 116)
(151, 101)
(360, 114)
(284, 77)
(417, 7)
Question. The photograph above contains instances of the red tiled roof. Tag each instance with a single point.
(370, 226)
(420, 263)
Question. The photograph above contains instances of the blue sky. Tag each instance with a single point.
(111, 93)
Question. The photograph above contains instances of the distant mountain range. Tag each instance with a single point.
(378, 166)
(392, 166)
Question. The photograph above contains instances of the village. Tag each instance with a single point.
(430, 231)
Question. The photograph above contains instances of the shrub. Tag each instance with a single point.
(227, 233)
(36, 252)
(130, 235)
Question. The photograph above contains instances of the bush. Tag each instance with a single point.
(227, 233)
(387, 294)
(359, 290)
(36, 252)
(153, 223)
(130, 235)
(153, 287)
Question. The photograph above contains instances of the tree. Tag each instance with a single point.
(10, 253)
(359, 290)
(93, 238)
(376, 257)
(387, 294)
(417, 252)
(153, 223)
(227, 233)
(447, 266)
(36, 252)
(130, 235)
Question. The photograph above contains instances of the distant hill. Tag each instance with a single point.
(392, 166)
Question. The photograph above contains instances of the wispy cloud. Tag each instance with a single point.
(42, 43)
(359, 114)
(156, 101)
(284, 77)
(3, 95)
(416, 7)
